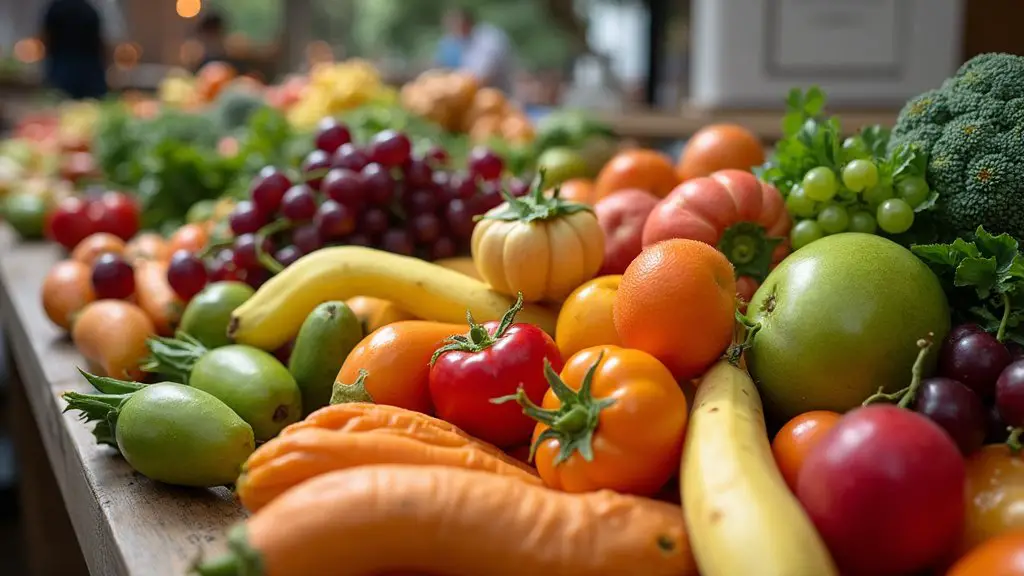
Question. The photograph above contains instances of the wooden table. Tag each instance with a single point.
(125, 523)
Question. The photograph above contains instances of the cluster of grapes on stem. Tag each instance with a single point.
(379, 195)
(856, 200)
(977, 397)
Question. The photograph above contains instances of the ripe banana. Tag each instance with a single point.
(274, 314)
(741, 517)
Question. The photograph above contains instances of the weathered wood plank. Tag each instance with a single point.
(125, 523)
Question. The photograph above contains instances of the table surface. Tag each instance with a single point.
(126, 524)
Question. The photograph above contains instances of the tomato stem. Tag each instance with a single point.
(173, 357)
(1001, 333)
(342, 393)
(1013, 442)
(574, 422)
(478, 339)
(904, 397)
(735, 351)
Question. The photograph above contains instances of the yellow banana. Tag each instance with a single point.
(741, 517)
(274, 314)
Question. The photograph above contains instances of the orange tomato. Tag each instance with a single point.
(994, 495)
(717, 147)
(191, 237)
(148, 246)
(396, 361)
(375, 313)
(212, 78)
(1002, 556)
(796, 439)
(66, 290)
(635, 443)
(641, 168)
(586, 317)
(677, 302)
(577, 190)
(94, 245)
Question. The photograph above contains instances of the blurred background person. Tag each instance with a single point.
(486, 50)
(212, 35)
(75, 62)
(450, 47)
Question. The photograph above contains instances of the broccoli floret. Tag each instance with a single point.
(972, 128)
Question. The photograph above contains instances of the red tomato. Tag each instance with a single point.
(796, 440)
(885, 489)
(115, 213)
(493, 360)
(69, 223)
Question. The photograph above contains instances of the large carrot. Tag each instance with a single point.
(289, 460)
(154, 295)
(112, 335)
(382, 418)
(435, 520)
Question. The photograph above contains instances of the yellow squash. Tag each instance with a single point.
(741, 517)
(543, 247)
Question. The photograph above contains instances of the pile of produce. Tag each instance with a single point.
(676, 368)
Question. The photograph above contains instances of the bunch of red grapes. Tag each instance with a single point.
(978, 394)
(379, 194)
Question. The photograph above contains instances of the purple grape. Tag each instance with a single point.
(976, 359)
(1010, 394)
(460, 219)
(398, 241)
(331, 135)
(257, 277)
(443, 247)
(436, 157)
(246, 218)
(956, 409)
(299, 203)
(349, 156)
(334, 220)
(464, 186)
(314, 166)
(421, 202)
(374, 222)
(245, 256)
(517, 188)
(380, 186)
(485, 165)
(390, 148)
(358, 240)
(268, 188)
(418, 175)
(346, 187)
(425, 228)
(307, 238)
(996, 430)
(287, 255)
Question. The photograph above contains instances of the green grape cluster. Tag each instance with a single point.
(854, 199)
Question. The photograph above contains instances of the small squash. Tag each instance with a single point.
(539, 245)
(745, 218)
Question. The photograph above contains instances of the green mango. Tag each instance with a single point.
(253, 383)
(26, 213)
(327, 336)
(208, 314)
(169, 432)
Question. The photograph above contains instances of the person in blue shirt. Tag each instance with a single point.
(75, 62)
(449, 52)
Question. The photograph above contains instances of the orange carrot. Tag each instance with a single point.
(155, 295)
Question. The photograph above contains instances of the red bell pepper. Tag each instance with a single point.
(492, 360)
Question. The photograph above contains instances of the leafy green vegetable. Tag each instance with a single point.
(983, 279)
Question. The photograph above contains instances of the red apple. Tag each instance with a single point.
(622, 216)
(885, 489)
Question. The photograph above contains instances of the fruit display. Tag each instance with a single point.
(701, 367)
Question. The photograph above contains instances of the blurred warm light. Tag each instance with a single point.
(188, 8)
(29, 50)
(126, 55)
(318, 52)
(236, 42)
(192, 52)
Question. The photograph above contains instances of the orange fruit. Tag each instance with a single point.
(577, 190)
(586, 318)
(796, 439)
(191, 237)
(641, 168)
(677, 302)
(718, 147)
(375, 313)
(1000, 556)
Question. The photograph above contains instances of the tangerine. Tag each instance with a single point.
(718, 147)
(586, 318)
(641, 168)
(1000, 556)
(677, 302)
(577, 190)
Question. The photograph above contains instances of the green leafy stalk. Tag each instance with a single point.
(534, 206)
(983, 279)
(573, 423)
(102, 408)
(173, 357)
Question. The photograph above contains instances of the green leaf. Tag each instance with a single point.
(1002, 247)
(940, 255)
(876, 138)
(814, 101)
(980, 273)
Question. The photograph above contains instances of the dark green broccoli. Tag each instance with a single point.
(973, 131)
